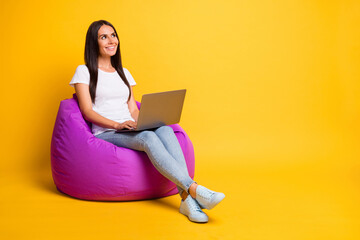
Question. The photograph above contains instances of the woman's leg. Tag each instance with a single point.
(207, 197)
(150, 143)
(167, 136)
(165, 163)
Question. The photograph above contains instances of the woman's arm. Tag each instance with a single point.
(84, 98)
(132, 106)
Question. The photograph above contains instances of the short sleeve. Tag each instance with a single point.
(129, 77)
(81, 75)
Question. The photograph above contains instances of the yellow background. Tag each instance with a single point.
(272, 109)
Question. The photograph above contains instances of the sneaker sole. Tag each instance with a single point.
(194, 220)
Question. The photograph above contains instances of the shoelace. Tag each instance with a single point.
(207, 194)
(194, 207)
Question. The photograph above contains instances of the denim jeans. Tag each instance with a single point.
(162, 148)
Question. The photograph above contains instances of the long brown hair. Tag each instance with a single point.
(92, 54)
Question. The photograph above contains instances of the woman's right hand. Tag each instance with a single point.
(128, 125)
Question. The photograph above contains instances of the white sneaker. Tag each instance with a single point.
(190, 208)
(206, 198)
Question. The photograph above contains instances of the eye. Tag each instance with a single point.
(113, 35)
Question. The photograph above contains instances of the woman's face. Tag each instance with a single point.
(107, 40)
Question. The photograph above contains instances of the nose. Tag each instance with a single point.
(112, 40)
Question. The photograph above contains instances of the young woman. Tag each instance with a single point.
(106, 98)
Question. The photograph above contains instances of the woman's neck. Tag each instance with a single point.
(104, 63)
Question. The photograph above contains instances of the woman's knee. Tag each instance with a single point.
(148, 136)
(164, 130)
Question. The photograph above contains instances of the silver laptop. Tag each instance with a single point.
(159, 109)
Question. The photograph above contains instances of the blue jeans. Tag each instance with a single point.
(162, 148)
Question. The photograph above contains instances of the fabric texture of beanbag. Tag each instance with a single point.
(86, 167)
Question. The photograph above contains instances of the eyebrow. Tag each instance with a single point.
(105, 34)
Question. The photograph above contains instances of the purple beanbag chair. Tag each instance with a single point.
(86, 167)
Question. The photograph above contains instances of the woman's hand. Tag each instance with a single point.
(128, 125)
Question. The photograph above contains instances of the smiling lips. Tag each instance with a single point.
(111, 48)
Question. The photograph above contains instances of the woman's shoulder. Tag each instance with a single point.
(82, 68)
(81, 75)
(129, 77)
(126, 70)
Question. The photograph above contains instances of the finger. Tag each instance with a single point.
(128, 126)
(130, 123)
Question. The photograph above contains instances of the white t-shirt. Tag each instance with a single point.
(111, 95)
